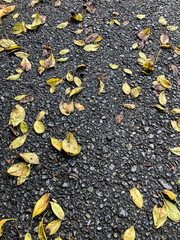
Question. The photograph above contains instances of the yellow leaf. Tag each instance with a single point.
(80, 66)
(57, 210)
(165, 83)
(1, 49)
(20, 97)
(7, 43)
(130, 234)
(56, 143)
(126, 88)
(92, 47)
(113, 66)
(28, 236)
(175, 126)
(30, 157)
(5, 11)
(144, 34)
(142, 55)
(52, 89)
(54, 81)
(162, 98)
(162, 21)
(79, 106)
(39, 127)
(25, 64)
(50, 61)
(135, 45)
(159, 215)
(18, 169)
(58, 238)
(41, 115)
(3, 221)
(21, 54)
(19, 27)
(128, 71)
(62, 25)
(75, 91)
(116, 22)
(22, 179)
(65, 108)
(41, 205)
(23, 127)
(160, 107)
(136, 197)
(175, 110)
(41, 232)
(64, 51)
(78, 17)
(70, 145)
(62, 59)
(18, 142)
(111, 22)
(69, 77)
(16, 15)
(79, 42)
(77, 81)
(177, 51)
(164, 38)
(173, 212)
(101, 87)
(135, 92)
(67, 91)
(140, 16)
(175, 150)
(129, 106)
(78, 31)
(53, 227)
(98, 39)
(19, 70)
(14, 77)
(170, 194)
(172, 28)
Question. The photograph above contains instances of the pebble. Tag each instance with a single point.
(165, 184)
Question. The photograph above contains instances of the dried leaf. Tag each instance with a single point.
(159, 215)
(58, 238)
(78, 31)
(140, 16)
(19, 27)
(101, 87)
(18, 142)
(75, 91)
(136, 197)
(162, 98)
(79, 42)
(22, 179)
(3, 221)
(18, 169)
(27, 99)
(172, 28)
(30, 157)
(14, 77)
(56, 143)
(41, 232)
(64, 51)
(119, 119)
(91, 47)
(23, 127)
(39, 127)
(144, 34)
(41, 205)
(177, 51)
(175, 126)
(114, 21)
(16, 15)
(77, 81)
(14, 131)
(21, 54)
(91, 38)
(90, 7)
(169, 194)
(175, 110)
(57, 3)
(135, 45)
(160, 107)
(69, 77)
(129, 234)
(174, 68)
(20, 97)
(25, 64)
(70, 145)
(50, 61)
(128, 71)
(28, 236)
(41, 115)
(129, 106)
(113, 66)
(135, 92)
(67, 91)
(57, 210)
(164, 38)
(173, 212)
(65, 108)
(5, 11)
(54, 81)
(53, 227)
(175, 150)
(79, 106)
(165, 83)
(62, 59)
(78, 17)
(162, 21)
(126, 88)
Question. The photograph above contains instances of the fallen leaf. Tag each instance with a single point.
(177, 51)
(175, 110)
(18, 169)
(77, 81)
(164, 38)
(70, 145)
(57, 210)
(91, 47)
(80, 43)
(91, 38)
(75, 91)
(19, 27)
(17, 115)
(119, 119)
(30, 157)
(129, 106)
(135, 92)
(135, 45)
(23, 127)
(101, 87)
(41, 232)
(53, 227)
(173, 212)
(66, 109)
(90, 7)
(67, 91)
(129, 234)
(144, 34)
(21, 54)
(22, 179)
(64, 51)
(50, 61)
(79, 106)
(128, 71)
(169, 194)
(172, 28)
(113, 66)
(140, 16)
(6, 10)
(160, 107)
(160, 215)
(126, 88)
(58, 238)
(165, 83)
(69, 77)
(18, 142)
(114, 21)
(136, 197)
(3, 221)
(57, 3)
(175, 126)
(25, 64)
(14, 77)
(27, 99)
(162, 98)
(78, 17)
(41, 205)
(78, 31)
(56, 143)
(175, 150)
(174, 68)
(41, 115)
(28, 236)
(14, 131)
(39, 127)
(162, 21)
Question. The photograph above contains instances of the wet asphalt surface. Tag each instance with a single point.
(93, 187)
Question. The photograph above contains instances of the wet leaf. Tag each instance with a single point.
(75, 91)
(77, 81)
(101, 87)
(56, 143)
(172, 28)
(78, 17)
(41, 232)
(129, 234)
(41, 205)
(64, 51)
(62, 25)
(23, 127)
(27, 99)
(164, 38)
(129, 106)
(22, 179)
(162, 98)
(162, 21)
(175, 110)
(140, 16)
(79, 42)
(28, 236)
(3, 221)
(19, 27)
(175, 150)
(79, 106)
(160, 107)
(70, 145)
(113, 66)
(128, 71)
(159, 215)
(25, 64)
(173, 212)
(135, 92)
(136, 197)
(18, 169)
(14, 77)
(126, 88)
(57, 210)
(41, 115)
(18, 142)
(175, 126)
(30, 157)
(21, 54)
(92, 47)
(66, 109)
(50, 61)
(53, 227)
(144, 34)
(69, 77)
(170, 194)
(39, 127)
(20, 97)
(7, 10)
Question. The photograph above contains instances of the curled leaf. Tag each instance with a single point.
(65, 108)
(101, 87)
(79, 106)
(41, 232)
(175, 150)
(92, 47)
(175, 125)
(75, 91)
(144, 34)
(41, 115)
(80, 43)
(162, 21)
(3, 221)
(169, 194)
(135, 92)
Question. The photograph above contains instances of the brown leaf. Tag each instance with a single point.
(164, 39)
(27, 99)
(141, 44)
(125, 23)
(144, 34)
(174, 68)
(88, 30)
(102, 77)
(119, 119)
(57, 3)
(45, 52)
(90, 7)
(14, 131)
(91, 37)
(157, 86)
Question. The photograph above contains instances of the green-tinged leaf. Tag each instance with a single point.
(75, 91)
(126, 88)
(20, 97)
(18, 169)
(129, 106)
(77, 81)
(54, 81)
(64, 51)
(170, 194)
(101, 87)
(175, 150)
(53, 227)
(39, 127)
(41, 205)
(173, 211)
(114, 21)
(92, 47)
(136, 197)
(41, 115)
(23, 127)
(28, 236)
(30, 157)
(3, 221)
(62, 25)
(70, 145)
(129, 234)
(7, 43)
(172, 28)
(14, 77)
(80, 43)
(175, 110)
(57, 210)
(56, 143)
(22, 179)
(113, 66)
(66, 109)
(160, 215)
(79, 106)
(162, 98)
(18, 142)
(162, 21)
(160, 107)
(62, 59)
(135, 92)
(175, 125)
(19, 27)
(41, 232)
(128, 71)
(141, 16)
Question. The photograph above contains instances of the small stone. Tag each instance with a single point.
(66, 185)
(134, 168)
(72, 162)
(129, 146)
(123, 213)
(165, 184)
(99, 193)
(90, 189)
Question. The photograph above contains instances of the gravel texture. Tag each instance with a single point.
(93, 187)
